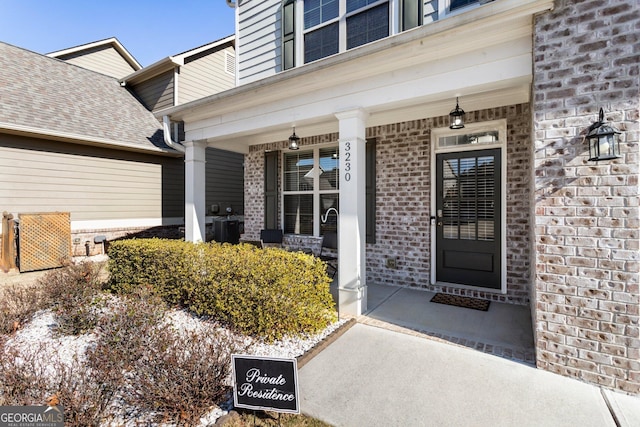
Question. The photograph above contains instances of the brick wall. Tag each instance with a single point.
(586, 56)
(403, 198)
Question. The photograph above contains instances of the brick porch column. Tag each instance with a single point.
(352, 290)
(194, 194)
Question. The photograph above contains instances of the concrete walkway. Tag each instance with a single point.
(376, 377)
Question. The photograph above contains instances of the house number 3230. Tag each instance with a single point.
(347, 161)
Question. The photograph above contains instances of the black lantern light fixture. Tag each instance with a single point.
(602, 139)
(294, 140)
(456, 117)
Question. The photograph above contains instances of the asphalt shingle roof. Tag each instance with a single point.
(53, 96)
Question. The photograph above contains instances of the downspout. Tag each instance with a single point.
(166, 127)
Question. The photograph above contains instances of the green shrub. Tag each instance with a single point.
(167, 265)
(269, 293)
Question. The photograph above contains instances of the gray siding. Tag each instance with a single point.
(157, 92)
(102, 59)
(430, 11)
(260, 37)
(205, 75)
(225, 180)
(258, 40)
(91, 183)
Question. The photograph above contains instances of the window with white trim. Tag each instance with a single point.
(458, 4)
(310, 188)
(364, 21)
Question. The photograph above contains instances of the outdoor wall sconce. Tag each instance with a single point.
(294, 140)
(456, 117)
(602, 139)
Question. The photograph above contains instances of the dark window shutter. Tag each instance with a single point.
(288, 34)
(370, 191)
(271, 189)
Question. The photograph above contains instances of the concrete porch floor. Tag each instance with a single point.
(504, 330)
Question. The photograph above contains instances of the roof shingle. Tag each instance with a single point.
(55, 97)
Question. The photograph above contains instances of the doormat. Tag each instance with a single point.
(458, 301)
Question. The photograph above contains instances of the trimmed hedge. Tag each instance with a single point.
(270, 293)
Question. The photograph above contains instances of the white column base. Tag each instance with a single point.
(353, 301)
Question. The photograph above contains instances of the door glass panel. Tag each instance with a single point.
(468, 198)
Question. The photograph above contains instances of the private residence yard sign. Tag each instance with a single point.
(264, 383)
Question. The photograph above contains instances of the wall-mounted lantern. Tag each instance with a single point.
(294, 141)
(602, 139)
(456, 117)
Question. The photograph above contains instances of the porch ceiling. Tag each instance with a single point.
(483, 56)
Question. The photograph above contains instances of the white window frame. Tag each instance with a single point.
(341, 19)
(316, 192)
(436, 134)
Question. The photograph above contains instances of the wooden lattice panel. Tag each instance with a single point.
(44, 240)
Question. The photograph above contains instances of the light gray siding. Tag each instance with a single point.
(260, 37)
(158, 92)
(225, 180)
(430, 11)
(258, 40)
(102, 59)
(92, 183)
(205, 74)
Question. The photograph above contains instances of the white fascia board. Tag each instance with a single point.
(110, 41)
(495, 68)
(182, 56)
(14, 129)
(158, 67)
(473, 30)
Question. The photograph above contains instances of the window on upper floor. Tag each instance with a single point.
(332, 26)
(457, 4)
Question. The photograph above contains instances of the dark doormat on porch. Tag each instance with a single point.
(459, 301)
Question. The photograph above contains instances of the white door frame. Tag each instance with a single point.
(436, 134)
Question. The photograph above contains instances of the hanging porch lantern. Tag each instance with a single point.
(456, 117)
(602, 139)
(294, 141)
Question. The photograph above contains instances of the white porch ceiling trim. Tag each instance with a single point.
(484, 56)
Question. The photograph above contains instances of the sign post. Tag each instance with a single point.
(269, 384)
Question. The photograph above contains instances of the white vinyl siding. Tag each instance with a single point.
(118, 186)
(102, 59)
(259, 39)
(205, 76)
